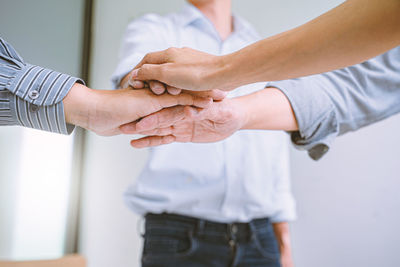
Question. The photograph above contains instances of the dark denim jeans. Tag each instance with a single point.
(173, 241)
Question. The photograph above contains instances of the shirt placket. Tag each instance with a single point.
(231, 204)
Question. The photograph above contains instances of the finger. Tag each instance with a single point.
(168, 100)
(161, 119)
(136, 84)
(158, 57)
(158, 132)
(157, 87)
(216, 95)
(151, 141)
(173, 90)
(149, 72)
(129, 128)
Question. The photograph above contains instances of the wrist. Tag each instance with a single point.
(78, 105)
(239, 104)
(220, 75)
(233, 70)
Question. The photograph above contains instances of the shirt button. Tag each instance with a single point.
(34, 94)
(33, 108)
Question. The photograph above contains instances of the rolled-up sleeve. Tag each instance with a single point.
(331, 104)
(31, 96)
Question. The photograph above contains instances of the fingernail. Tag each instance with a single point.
(134, 73)
(135, 84)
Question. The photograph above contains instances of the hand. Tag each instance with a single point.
(159, 88)
(187, 124)
(184, 68)
(267, 109)
(104, 111)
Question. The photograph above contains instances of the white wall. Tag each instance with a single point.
(35, 180)
(347, 202)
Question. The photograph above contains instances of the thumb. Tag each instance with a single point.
(148, 72)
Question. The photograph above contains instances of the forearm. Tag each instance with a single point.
(268, 109)
(349, 34)
(282, 235)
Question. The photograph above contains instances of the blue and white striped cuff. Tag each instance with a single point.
(35, 99)
(46, 118)
(40, 86)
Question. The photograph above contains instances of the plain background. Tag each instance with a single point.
(348, 202)
(46, 33)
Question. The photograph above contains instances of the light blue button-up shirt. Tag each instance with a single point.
(333, 103)
(239, 179)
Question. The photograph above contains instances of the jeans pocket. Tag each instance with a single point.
(266, 244)
(168, 245)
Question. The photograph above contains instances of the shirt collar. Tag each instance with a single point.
(191, 14)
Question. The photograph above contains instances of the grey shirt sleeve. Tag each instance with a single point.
(30, 95)
(331, 104)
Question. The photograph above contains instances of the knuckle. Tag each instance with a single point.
(162, 70)
(146, 57)
(171, 52)
(144, 68)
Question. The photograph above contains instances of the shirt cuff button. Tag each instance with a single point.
(33, 108)
(34, 94)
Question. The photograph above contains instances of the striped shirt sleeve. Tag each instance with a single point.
(31, 96)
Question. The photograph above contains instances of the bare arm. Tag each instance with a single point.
(268, 109)
(282, 234)
(349, 34)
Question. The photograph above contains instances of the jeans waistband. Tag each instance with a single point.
(203, 226)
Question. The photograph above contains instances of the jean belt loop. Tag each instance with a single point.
(200, 226)
(253, 230)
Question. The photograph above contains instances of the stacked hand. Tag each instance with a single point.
(265, 109)
(104, 111)
(188, 124)
(166, 114)
(184, 68)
